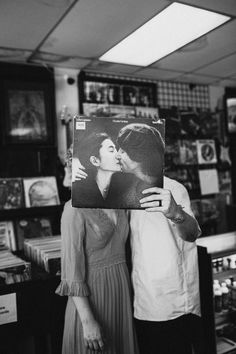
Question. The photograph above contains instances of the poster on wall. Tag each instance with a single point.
(120, 157)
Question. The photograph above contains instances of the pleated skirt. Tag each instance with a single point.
(111, 304)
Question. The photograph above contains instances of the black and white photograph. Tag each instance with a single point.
(40, 191)
(118, 177)
(120, 157)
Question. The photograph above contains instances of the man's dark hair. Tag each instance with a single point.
(144, 144)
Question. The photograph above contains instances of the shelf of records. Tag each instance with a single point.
(17, 193)
(45, 252)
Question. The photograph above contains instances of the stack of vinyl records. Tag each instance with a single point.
(13, 269)
(45, 251)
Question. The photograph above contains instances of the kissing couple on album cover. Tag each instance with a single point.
(115, 160)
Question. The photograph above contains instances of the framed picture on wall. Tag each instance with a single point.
(28, 113)
(111, 91)
(231, 114)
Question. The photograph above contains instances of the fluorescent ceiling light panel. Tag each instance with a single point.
(171, 29)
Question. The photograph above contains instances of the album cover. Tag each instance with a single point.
(40, 191)
(190, 124)
(11, 193)
(188, 152)
(206, 151)
(209, 181)
(116, 179)
(32, 228)
(7, 236)
(225, 182)
(210, 124)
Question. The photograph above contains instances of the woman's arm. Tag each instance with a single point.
(93, 338)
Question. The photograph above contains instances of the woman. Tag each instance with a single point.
(94, 273)
(97, 153)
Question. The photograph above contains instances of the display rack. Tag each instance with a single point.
(218, 247)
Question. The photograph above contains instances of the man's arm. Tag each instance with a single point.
(162, 200)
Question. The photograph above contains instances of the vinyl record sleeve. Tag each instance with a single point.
(11, 193)
(112, 180)
(41, 191)
(206, 151)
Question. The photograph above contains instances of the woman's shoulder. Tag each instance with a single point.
(69, 211)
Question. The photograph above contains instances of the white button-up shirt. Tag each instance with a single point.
(165, 267)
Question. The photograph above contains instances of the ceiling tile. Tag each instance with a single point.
(221, 68)
(93, 27)
(225, 83)
(213, 46)
(156, 74)
(99, 66)
(12, 55)
(198, 79)
(60, 60)
(24, 24)
(225, 7)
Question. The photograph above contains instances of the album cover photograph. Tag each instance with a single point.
(11, 193)
(206, 151)
(119, 158)
(40, 191)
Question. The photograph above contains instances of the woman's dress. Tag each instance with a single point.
(93, 265)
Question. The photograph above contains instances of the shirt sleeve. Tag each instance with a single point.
(73, 272)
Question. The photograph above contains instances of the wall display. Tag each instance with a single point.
(206, 151)
(32, 228)
(188, 177)
(146, 112)
(105, 110)
(110, 182)
(187, 152)
(28, 114)
(209, 181)
(40, 191)
(112, 91)
(11, 193)
(231, 114)
(7, 236)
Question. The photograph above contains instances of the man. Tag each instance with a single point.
(164, 261)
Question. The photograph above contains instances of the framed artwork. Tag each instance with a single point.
(121, 158)
(101, 92)
(28, 113)
(41, 191)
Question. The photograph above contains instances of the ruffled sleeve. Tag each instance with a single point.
(73, 271)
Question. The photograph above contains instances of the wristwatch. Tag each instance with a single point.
(179, 218)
